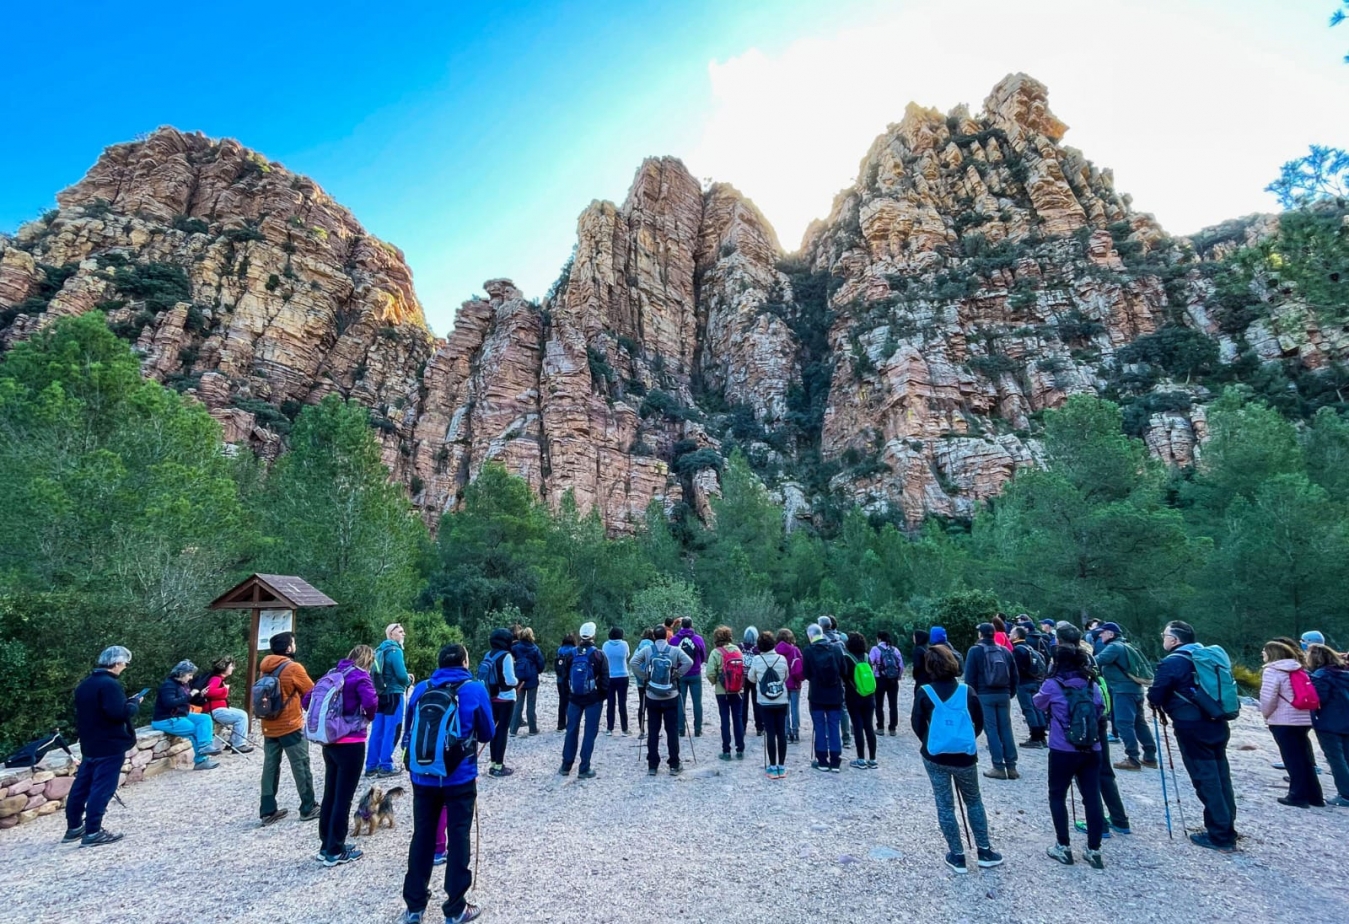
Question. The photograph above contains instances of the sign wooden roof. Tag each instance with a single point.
(272, 592)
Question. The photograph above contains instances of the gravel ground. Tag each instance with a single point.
(861, 845)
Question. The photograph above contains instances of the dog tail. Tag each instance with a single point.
(396, 791)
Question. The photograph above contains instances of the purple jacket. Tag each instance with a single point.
(1052, 700)
(358, 695)
(796, 668)
(700, 652)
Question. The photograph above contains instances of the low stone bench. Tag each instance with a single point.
(33, 792)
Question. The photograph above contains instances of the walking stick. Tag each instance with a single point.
(1072, 800)
(1166, 801)
(963, 813)
(1175, 782)
(688, 727)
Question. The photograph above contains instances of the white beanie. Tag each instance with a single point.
(587, 630)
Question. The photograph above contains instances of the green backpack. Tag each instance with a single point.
(1139, 669)
(863, 677)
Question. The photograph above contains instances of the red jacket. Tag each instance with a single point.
(217, 694)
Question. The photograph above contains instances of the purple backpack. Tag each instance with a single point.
(325, 722)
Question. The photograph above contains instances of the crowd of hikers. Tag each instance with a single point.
(1079, 690)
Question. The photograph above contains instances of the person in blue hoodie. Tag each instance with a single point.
(391, 680)
(453, 796)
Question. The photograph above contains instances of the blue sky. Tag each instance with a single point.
(472, 134)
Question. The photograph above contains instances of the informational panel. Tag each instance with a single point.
(270, 622)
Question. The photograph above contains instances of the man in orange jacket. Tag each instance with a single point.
(282, 733)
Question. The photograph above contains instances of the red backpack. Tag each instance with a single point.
(1304, 694)
(733, 670)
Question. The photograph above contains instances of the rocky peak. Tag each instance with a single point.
(1019, 105)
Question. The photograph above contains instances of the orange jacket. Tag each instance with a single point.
(295, 683)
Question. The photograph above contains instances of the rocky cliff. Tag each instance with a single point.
(976, 273)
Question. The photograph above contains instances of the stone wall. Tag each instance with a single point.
(32, 792)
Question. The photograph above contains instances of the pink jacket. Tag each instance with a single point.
(1276, 695)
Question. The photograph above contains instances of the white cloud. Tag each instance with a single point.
(1193, 105)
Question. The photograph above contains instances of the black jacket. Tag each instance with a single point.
(103, 716)
(825, 667)
(172, 701)
(918, 666)
(1172, 691)
(921, 718)
(977, 671)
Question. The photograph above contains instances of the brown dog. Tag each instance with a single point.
(375, 810)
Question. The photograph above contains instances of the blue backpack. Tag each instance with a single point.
(439, 743)
(490, 672)
(582, 673)
(951, 730)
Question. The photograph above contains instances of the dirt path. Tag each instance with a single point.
(705, 847)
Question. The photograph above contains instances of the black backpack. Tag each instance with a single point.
(1036, 668)
(1084, 730)
(997, 673)
(267, 699)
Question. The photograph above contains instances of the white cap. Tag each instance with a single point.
(587, 630)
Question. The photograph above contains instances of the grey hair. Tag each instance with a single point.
(182, 668)
(114, 655)
(814, 631)
(751, 636)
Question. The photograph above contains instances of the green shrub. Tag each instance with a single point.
(190, 225)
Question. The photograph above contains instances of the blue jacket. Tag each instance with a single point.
(528, 663)
(1332, 687)
(103, 716)
(392, 667)
(474, 702)
(1172, 692)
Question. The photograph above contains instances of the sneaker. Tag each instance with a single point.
(835, 769)
(1151, 764)
(997, 773)
(414, 917)
(348, 855)
(608, 733)
(321, 856)
(1128, 763)
(1279, 766)
(1113, 739)
(1082, 826)
(385, 774)
(1013, 774)
(212, 751)
(1284, 800)
(1029, 744)
(73, 835)
(739, 755)
(500, 772)
(206, 764)
(1118, 829)
(1341, 801)
(439, 859)
(725, 755)
(274, 817)
(651, 771)
(675, 771)
(893, 732)
(989, 858)
(771, 772)
(563, 770)
(470, 913)
(1203, 840)
(816, 765)
(244, 748)
(99, 839)
(1061, 853)
(311, 815)
(586, 775)
(957, 862)
(872, 765)
(1093, 858)
(858, 764)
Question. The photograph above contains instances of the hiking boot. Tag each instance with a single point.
(1150, 764)
(872, 765)
(206, 764)
(73, 835)
(586, 775)
(563, 770)
(244, 748)
(1082, 826)
(858, 764)
(274, 817)
(957, 862)
(739, 755)
(725, 755)
(1013, 774)
(893, 733)
(470, 913)
(500, 772)
(212, 751)
(1061, 853)
(1284, 800)
(385, 774)
(348, 855)
(997, 773)
(651, 771)
(1029, 743)
(99, 839)
(1118, 829)
(371, 772)
(414, 917)
(311, 815)
(1128, 763)
(1203, 840)
(1093, 858)
(989, 858)
(675, 771)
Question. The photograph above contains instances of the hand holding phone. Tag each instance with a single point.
(141, 694)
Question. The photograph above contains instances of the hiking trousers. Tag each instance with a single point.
(1085, 768)
(502, 709)
(563, 697)
(296, 751)
(525, 702)
(1206, 763)
(691, 686)
(641, 709)
(662, 713)
(384, 734)
(887, 691)
(731, 706)
(860, 709)
(431, 804)
(998, 729)
(95, 782)
(1115, 812)
(1295, 747)
(341, 775)
(775, 734)
(575, 715)
(828, 747)
(966, 779)
(618, 696)
(1130, 725)
(1035, 719)
(794, 724)
(1336, 749)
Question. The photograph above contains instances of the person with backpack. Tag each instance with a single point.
(216, 693)
(1031, 670)
(173, 715)
(662, 665)
(617, 652)
(588, 685)
(829, 625)
(1193, 687)
(281, 683)
(947, 719)
(1126, 672)
(528, 667)
(448, 715)
(691, 681)
(918, 658)
(888, 666)
(1116, 817)
(768, 672)
(726, 672)
(990, 670)
(1287, 700)
(560, 662)
(390, 677)
(748, 647)
(1075, 708)
(823, 667)
(104, 717)
(338, 711)
(645, 642)
(1331, 720)
(786, 647)
(859, 694)
(496, 671)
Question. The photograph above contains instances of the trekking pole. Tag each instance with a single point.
(1072, 800)
(688, 727)
(963, 814)
(1166, 801)
(1175, 783)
